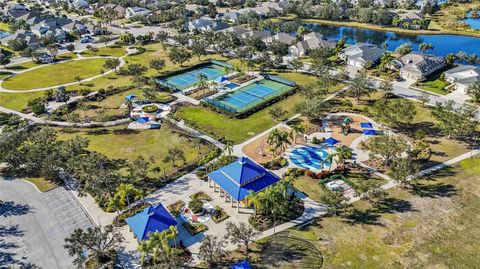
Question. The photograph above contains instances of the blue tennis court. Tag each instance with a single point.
(249, 96)
(189, 79)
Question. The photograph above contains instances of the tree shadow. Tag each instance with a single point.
(433, 190)
(8, 258)
(392, 205)
(9, 208)
(367, 217)
(10, 231)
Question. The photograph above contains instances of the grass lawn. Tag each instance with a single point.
(7, 51)
(18, 101)
(434, 84)
(434, 224)
(235, 130)
(64, 73)
(114, 51)
(117, 143)
(4, 74)
(42, 184)
(4, 27)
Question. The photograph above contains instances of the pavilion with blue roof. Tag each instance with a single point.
(151, 219)
(237, 179)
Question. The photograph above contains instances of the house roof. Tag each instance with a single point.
(464, 74)
(237, 30)
(282, 38)
(420, 63)
(151, 219)
(243, 176)
(364, 52)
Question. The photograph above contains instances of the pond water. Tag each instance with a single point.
(3, 34)
(443, 44)
(473, 22)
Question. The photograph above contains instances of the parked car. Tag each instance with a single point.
(87, 39)
(398, 78)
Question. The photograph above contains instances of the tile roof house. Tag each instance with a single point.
(206, 24)
(462, 76)
(360, 54)
(235, 30)
(151, 219)
(242, 176)
(418, 66)
(312, 40)
(131, 12)
(280, 37)
(30, 39)
(256, 33)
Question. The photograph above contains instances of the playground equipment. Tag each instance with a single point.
(346, 126)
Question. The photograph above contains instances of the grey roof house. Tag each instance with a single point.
(462, 76)
(310, 41)
(361, 54)
(419, 66)
(280, 37)
(206, 24)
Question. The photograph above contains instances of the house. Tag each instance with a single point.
(280, 37)
(411, 19)
(45, 58)
(79, 4)
(361, 54)
(235, 30)
(239, 178)
(231, 16)
(30, 39)
(131, 12)
(418, 66)
(151, 219)
(256, 33)
(462, 76)
(310, 41)
(118, 9)
(206, 24)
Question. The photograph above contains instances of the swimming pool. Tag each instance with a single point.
(249, 96)
(309, 157)
(189, 78)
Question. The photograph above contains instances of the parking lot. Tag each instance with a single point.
(34, 225)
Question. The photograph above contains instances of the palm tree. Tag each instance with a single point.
(254, 199)
(330, 159)
(202, 82)
(343, 153)
(144, 249)
(172, 234)
(127, 191)
(297, 130)
(227, 70)
(424, 47)
(228, 150)
(153, 244)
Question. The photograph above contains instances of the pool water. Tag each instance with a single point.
(308, 157)
(3, 34)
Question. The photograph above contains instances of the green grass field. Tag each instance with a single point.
(56, 74)
(151, 144)
(434, 224)
(114, 51)
(236, 130)
(4, 27)
(42, 184)
(18, 101)
(434, 84)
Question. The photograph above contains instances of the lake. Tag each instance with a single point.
(444, 44)
(473, 22)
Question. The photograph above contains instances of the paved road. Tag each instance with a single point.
(33, 225)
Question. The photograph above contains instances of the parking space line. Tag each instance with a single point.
(72, 216)
(55, 196)
(64, 214)
(66, 197)
(69, 203)
(75, 224)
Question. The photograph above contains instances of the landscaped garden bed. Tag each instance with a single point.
(265, 221)
(194, 228)
(176, 208)
(219, 215)
(119, 220)
(201, 196)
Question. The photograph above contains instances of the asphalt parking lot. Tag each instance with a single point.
(33, 225)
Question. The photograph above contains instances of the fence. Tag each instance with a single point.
(279, 80)
(166, 84)
(221, 63)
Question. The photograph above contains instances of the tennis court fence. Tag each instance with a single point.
(279, 80)
(223, 64)
(229, 107)
(168, 85)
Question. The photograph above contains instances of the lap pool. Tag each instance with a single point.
(308, 157)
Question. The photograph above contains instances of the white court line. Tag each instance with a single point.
(72, 216)
(69, 203)
(70, 210)
(65, 229)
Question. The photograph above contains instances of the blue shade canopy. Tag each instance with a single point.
(243, 176)
(366, 125)
(221, 79)
(151, 219)
(130, 97)
(331, 141)
(142, 120)
(241, 265)
(370, 132)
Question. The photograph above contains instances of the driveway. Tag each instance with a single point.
(34, 225)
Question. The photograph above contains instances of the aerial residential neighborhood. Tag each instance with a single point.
(239, 134)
